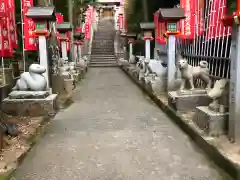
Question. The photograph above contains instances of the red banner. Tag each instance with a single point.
(59, 18)
(199, 17)
(12, 22)
(29, 27)
(160, 29)
(216, 28)
(6, 47)
(68, 42)
(188, 24)
(79, 29)
(157, 25)
(120, 17)
(88, 22)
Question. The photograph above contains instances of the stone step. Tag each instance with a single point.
(102, 47)
(103, 53)
(103, 62)
(103, 43)
(107, 40)
(103, 33)
(102, 56)
(102, 50)
(104, 65)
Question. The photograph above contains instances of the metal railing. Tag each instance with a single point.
(215, 50)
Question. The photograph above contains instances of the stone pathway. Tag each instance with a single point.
(114, 132)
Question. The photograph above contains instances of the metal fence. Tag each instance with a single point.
(213, 45)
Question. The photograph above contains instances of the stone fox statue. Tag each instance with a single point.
(32, 80)
(220, 95)
(192, 73)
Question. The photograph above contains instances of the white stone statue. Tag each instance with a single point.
(82, 62)
(32, 80)
(191, 73)
(132, 59)
(157, 84)
(158, 67)
(149, 78)
(65, 68)
(142, 67)
(72, 67)
(123, 62)
(220, 95)
(85, 58)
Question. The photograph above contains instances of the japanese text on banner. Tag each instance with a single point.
(29, 27)
(188, 24)
(5, 46)
(12, 23)
(88, 22)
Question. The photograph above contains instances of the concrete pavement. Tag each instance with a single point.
(114, 132)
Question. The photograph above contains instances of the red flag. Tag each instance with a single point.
(68, 43)
(12, 21)
(188, 24)
(79, 29)
(213, 19)
(159, 30)
(88, 22)
(199, 17)
(29, 27)
(6, 48)
(216, 28)
(59, 18)
(120, 17)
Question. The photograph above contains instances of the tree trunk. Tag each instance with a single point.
(145, 10)
(41, 2)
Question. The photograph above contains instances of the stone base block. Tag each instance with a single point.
(183, 102)
(213, 123)
(30, 107)
(77, 77)
(28, 94)
(126, 67)
(135, 73)
(83, 72)
(64, 89)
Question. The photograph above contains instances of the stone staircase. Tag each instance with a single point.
(102, 54)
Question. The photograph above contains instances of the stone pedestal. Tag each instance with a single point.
(8, 76)
(35, 103)
(132, 68)
(77, 76)
(213, 123)
(188, 100)
(64, 88)
(135, 73)
(81, 70)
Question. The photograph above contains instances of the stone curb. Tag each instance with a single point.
(40, 131)
(211, 151)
